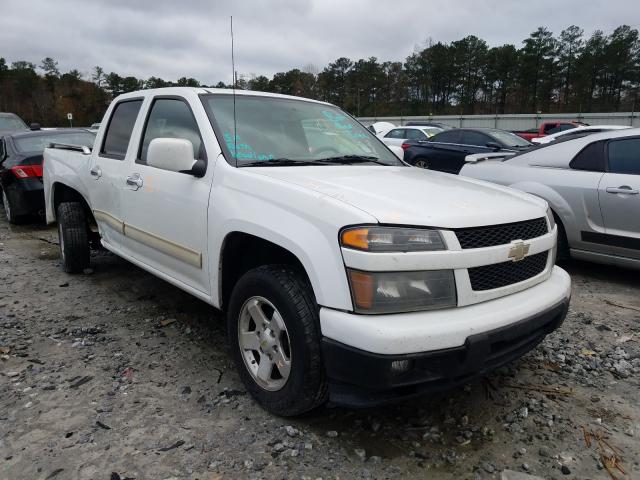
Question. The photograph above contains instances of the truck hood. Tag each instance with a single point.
(413, 196)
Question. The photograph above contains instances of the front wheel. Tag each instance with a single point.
(73, 237)
(273, 334)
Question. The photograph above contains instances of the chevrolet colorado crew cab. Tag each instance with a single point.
(345, 274)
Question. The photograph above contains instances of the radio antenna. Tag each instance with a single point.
(233, 87)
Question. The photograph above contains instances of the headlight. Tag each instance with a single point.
(552, 220)
(392, 239)
(395, 292)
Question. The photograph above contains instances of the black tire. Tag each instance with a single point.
(421, 163)
(73, 237)
(290, 293)
(8, 210)
(564, 254)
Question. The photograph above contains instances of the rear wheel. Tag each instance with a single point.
(73, 237)
(273, 334)
(421, 163)
(6, 202)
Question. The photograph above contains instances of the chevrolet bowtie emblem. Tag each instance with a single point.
(518, 251)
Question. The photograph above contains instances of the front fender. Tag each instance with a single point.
(558, 204)
(304, 222)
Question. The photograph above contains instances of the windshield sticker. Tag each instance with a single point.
(244, 150)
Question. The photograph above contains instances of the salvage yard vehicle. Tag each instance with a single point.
(348, 276)
(592, 185)
(21, 168)
(446, 151)
(547, 128)
(579, 131)
(398, 136)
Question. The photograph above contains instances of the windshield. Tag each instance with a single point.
(510, 139)
(279, 130)
(11, 123)
(37, 143)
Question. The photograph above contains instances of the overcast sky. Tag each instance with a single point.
(171, 39)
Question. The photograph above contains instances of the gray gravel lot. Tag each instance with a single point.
(116, 374)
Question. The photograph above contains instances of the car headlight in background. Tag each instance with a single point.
(395, 292)
(392, 239)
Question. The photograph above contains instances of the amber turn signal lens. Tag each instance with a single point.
(356, 238)
(362, 287)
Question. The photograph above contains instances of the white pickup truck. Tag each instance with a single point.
(345, 274)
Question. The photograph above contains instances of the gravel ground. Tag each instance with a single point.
(116, 374)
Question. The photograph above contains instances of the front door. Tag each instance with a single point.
(165, 212)
(619, 195)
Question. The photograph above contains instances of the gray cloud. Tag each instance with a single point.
(191, 38)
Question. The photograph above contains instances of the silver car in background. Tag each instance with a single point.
(592, 184)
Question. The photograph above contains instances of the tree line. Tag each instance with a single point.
(547, 74)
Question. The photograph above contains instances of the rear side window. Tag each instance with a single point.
(590, 158)
(116, 139)
(413, 134)
(171, 118)
(624, 156)
(474, 138)
(450, 136)
(396, 133)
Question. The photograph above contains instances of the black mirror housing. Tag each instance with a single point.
(494, 145)
(34, 126)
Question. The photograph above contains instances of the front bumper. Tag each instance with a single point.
(364, 378)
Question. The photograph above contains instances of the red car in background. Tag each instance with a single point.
(547, 128)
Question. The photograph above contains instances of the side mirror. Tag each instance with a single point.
(34, 126)
(494, 146)
(173, 154)
(398, 151)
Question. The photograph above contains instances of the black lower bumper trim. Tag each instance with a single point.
(364, 379)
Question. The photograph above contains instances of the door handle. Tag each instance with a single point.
(624, 189)
(96, 172)
(135, 180)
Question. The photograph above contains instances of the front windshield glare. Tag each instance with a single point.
(270, 129)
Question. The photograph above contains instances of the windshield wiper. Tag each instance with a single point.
(279, 162)
(351, 159)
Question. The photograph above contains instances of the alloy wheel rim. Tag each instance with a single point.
(422, 164)
(264, 343)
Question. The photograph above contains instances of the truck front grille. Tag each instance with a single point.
(499, 275)
(501, 234)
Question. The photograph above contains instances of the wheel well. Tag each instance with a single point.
(63, 193)
(242, 252)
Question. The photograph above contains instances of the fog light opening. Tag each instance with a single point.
(401, 366)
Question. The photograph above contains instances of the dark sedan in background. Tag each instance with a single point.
(447, 150)
(21, 168)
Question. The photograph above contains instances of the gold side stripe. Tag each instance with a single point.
(110, 220)
(151, 240)
(165, 246)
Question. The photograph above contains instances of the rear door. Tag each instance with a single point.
(443, 151)
(619, 195)
(165, 212)
(107, 170)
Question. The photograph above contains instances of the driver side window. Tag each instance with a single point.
(171, 118)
